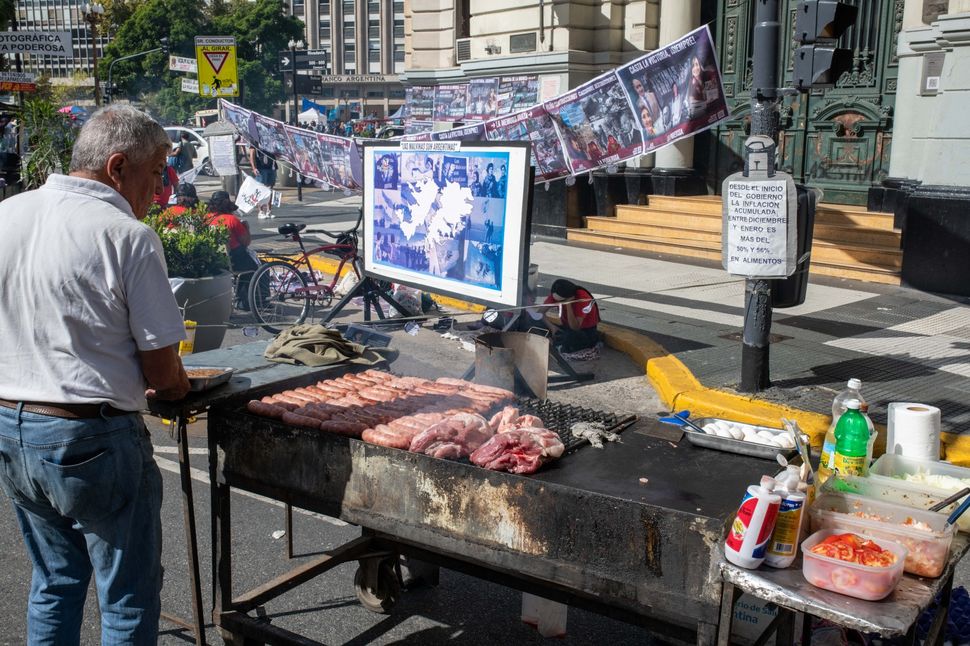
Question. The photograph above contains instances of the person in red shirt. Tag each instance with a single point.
(186, 198)
(170, 181)
(222, 212)
(574, 321)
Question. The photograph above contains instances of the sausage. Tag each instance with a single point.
(301, 420)
(501, 392)
(290, 403)
(352, 429)
(297, 395)
(314, 412)
(378, 375)
(265, 409)
(384, 436)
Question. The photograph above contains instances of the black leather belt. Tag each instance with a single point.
(67, 411)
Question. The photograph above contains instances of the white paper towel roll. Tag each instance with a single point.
(913, 431)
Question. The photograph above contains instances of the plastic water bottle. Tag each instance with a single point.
(852, 441)
(852, 391)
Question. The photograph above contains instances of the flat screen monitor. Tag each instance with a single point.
(448, 217)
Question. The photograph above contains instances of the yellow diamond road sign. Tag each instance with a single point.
(216, 59)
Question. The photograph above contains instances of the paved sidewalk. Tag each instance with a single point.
(905, 345)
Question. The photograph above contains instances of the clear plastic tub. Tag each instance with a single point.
(923, 533)
(895, 491)
(922, 479)
(859, 581)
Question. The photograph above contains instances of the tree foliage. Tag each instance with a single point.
(261, 30)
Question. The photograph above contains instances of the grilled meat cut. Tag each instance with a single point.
(523, 450)
(453, 437)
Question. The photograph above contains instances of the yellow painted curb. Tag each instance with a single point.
(329, 265)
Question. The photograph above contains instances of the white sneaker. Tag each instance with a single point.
(263, 216)
(271, 216)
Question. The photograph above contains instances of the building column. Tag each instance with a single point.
(677, 17)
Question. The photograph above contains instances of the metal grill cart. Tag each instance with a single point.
(584, 530)
(250, 373)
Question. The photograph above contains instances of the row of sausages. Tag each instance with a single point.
(391, 409)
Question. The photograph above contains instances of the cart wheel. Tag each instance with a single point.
(382, 598)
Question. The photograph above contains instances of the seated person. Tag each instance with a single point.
(186, 198)
(222, 212)
(574, 322)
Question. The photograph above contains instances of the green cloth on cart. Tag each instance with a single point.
(315, 345)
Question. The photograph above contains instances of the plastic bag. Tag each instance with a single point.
(409, 298)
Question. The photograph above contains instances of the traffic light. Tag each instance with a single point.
(818, 24)
(163, 43)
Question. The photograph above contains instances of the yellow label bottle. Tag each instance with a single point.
(188, 346)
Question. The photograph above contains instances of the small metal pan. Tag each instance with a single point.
(207, 377)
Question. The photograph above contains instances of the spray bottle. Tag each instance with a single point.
(748, 537)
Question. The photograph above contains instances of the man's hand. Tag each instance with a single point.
(164, 373)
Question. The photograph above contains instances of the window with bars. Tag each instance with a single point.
(374, 55)
(349, 8)
(350, 33)
(399, 29)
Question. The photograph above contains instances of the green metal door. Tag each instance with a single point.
(838, 139)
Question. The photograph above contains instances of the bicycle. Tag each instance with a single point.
(283, 291)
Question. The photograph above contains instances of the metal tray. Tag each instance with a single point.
(731, 445)
(198, 384)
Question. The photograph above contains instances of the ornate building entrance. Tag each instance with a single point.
(838, 139)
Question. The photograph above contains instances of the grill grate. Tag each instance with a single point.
(560, 418)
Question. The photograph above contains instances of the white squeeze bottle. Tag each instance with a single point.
(853, 390)
(788, 527)
(747, 540)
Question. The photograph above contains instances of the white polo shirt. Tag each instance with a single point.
(83, 287)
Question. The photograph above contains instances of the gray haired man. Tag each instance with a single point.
(87, 324)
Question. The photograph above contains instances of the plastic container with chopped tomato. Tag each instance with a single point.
(924, 533)
(836, 571)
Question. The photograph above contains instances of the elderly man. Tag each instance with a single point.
(87, 323)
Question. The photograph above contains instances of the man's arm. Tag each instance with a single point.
(164, 373)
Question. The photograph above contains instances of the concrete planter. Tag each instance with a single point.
(208, 302)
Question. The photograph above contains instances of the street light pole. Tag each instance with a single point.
(111, 66)
(294, 44)
(92, 15)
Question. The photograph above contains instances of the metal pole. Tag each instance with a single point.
(93, 21)
(111, 65)
(296, 112)
(755, 375)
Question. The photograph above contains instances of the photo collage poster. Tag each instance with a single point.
(482, 99)
(675, 91)
(596, 124)
(337, 160)
(307, 157)
(535, 126)
(449, 102)
(669, 94)
(441, 214)
(517, 92)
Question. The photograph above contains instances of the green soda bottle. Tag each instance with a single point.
(852, 441)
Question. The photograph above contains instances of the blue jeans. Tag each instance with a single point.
(87, 494)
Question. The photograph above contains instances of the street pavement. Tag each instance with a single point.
(905, 345)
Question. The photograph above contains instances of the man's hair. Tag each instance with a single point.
(117, 129)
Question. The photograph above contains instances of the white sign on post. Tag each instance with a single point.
(759, 236)
(222, 154)
(190, 85)
(183, 64)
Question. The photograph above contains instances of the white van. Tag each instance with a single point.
(201, 146)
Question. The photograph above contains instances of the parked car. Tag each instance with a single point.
(201, 146)
(388, 132)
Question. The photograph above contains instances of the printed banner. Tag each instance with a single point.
(675, 91)
(336, 160)
(596, 124)
(517, 92)
(419, 102)
(449, 102)
(535, 126)
(252, 194)
(482, 99)
(271, 137)
(241, 118)
(474, 132)
(307, 157)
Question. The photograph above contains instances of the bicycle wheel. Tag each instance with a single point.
(278, 296)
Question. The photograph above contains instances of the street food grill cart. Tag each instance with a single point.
(585, 530)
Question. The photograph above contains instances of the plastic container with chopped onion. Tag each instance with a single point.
(923, 533)
(914, 480)
(853, 577)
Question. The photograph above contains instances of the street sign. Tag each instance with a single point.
(17, 82)
(183, 64)
(306, 59)
(216, 60)
(759, 234)
(41, 43)
(190, 85)
(304, 84)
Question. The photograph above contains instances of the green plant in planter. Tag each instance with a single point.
(51, 141)
(193, 248)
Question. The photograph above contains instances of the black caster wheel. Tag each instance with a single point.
(377, 590)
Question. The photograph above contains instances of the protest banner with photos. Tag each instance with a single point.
(449, 102)
(419, 102)
(517, 92)
(474, 132)
(535, 126)
(482, 99)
